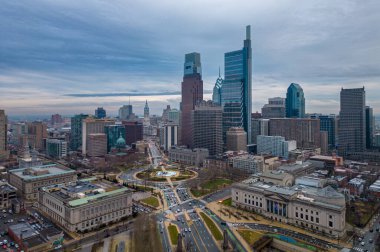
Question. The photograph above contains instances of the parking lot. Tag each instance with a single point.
(140, 208)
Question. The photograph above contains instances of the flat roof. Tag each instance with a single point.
(25, 229)
(85, 200)
(53, 170)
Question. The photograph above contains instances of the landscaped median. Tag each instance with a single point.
(173, 233)
(151, 201)
(210, 186)
(212, 227)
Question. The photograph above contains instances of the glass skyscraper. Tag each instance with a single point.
(217, 91)
(295, 101)
(237, 88)
(113, 133)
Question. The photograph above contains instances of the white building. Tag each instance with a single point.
(275, 145)
(188, 156)
(248, 163)
(85, 205)
(321, 210)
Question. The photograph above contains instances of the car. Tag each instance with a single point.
(360, 239)
(16, 246)
(5, 241)
(362, 243)
(370, 241)
(189, 230)
(4, 246)
(377, 229)
(371, 230)
(185, 229)
(1, 243)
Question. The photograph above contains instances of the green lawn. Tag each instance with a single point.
(250, 236)
(213, 228)
(210, 187)
(227, 202)
(152, 201)
(358, 213)
(173, 233)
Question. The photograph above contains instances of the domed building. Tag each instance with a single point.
(120, 142)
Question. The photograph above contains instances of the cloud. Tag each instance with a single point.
(52, 48)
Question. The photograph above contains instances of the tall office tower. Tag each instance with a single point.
(217, 91)
(76, 131)
(4, 153)
(174, 116)
(295, 101)
(259, 127)
(100, 113)
(237, 88)
(113, 133)
(165, 113)
(37, 133)
(305, 131)
(133, 131)
(56, 119)
(125, 112)
(56, 148)
(169, 135)
(93, 126)
(328, 123)
(19, 134)
(207, 127)
(236, 139)
(97, 144)
(352, 134)
(146, 114)
(192, 92)
(369, 127)
(274, 109)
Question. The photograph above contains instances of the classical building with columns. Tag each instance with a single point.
(320, 210)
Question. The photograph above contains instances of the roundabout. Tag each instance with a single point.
(163, 175)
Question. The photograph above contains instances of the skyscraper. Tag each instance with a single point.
(93, 126)
(37, 133)
(100, 113)
(146, 114)
(259, 127)
(217, 91)
(295, 101)
(369, 127)
(113, 133)
(274, 109)
(236, 139)
(125, 112)
(207, 127)
(352, 121)
(192, 92)
(3, 136)
(328, 123)
(76, 131)
(237, 88)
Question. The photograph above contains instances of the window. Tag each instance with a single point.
(301, 215)
(301, 209)
(311, 218)
(311, 211)
(316, 213)
(317, 220)
(307, 210)
(296, 214)
(330, 224)
(330, 216)
(237, 197)
(296, 208)
(307, 217)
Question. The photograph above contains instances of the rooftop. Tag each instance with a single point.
(42, 171)
(6, 188)
(25, 229)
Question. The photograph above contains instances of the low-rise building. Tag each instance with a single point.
(321, 210)
(188, 156)
(248, 164)
(7, 194)
(29, 180)
(275, 145)
(85, 205)
(356, 186)
(298, 169)
(374, 189)
(276, 177)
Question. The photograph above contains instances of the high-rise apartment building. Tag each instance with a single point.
(207, 127)
(352, 121)
(37, 133)
(369, 126)
(56, 148)
(275, 145)
(236, 139)
(97, 145)
(100, 113)
(295, 101)
(174, 116)
(4, 153)
(133, 131)
(217, 91)
(259, 127)
(92, 126)
(165, 113)
(113, 133)
(237, 88)
(328, 123)
(192, 92)
(305, 131)
(274, 109)
(169, 135)
(76, 131)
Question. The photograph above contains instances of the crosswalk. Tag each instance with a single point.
(358, 249)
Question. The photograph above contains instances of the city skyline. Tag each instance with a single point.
(103, 48)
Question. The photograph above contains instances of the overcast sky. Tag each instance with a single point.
(49, 49)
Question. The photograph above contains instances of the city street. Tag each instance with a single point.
(368, 240)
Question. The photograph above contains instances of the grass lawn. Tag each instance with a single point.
(152, 201)
(358, 213)
(250, 236)
(210, 187)
(213, 228)
(173, 233)
(227, 202)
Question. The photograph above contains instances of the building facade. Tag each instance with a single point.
(352, 121)
(126, 113)
(274, 109)
(237, 88)
(217, 90)
(76, 131)
(275, 145)
(170, 136)
(295, 101)
(259, 127)
(29, 180)
(4, 153)
(321, 210)
(56, 148)
(37, 134)
(305, 131)
(93, 126)
(328, 123)
(248, 164)
(84, 206)
(192, 92)
(97, 145)
(133, 131)
(236, 139)
(113, 133)
(369, 127)
(188, 156)
(207, 127)
(7, 194)
(100, 113)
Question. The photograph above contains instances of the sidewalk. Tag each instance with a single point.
(216, 207)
